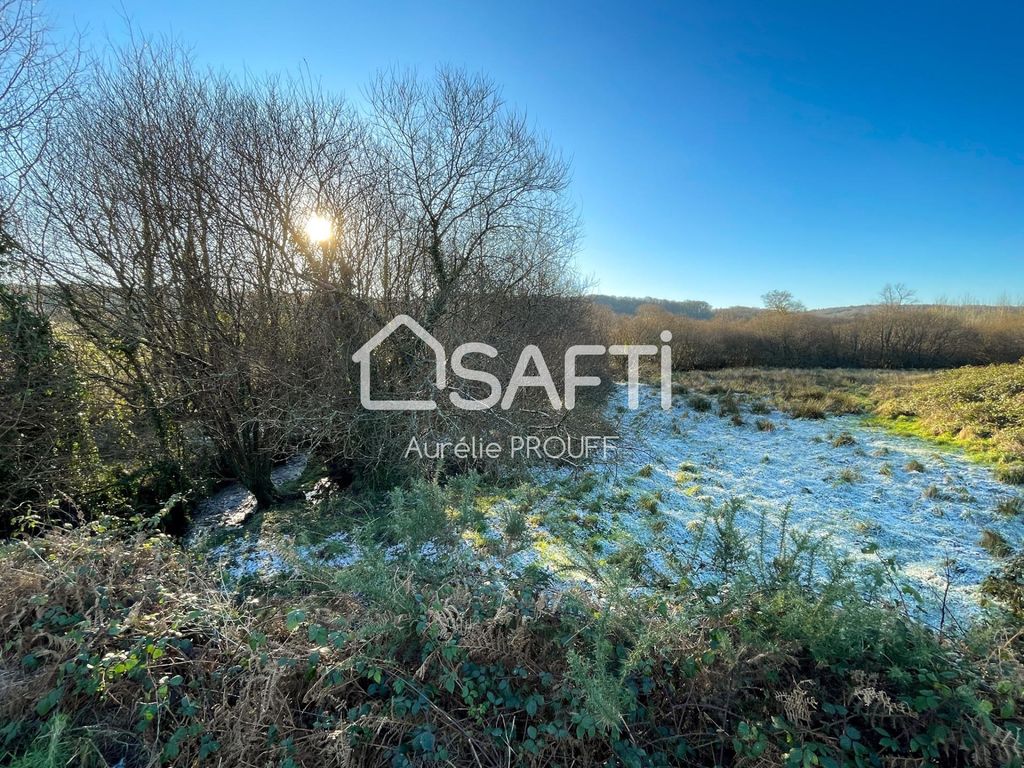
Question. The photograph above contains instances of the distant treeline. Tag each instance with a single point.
(888, 335)
(627, 305)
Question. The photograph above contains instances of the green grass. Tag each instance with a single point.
(405, 660)
(57, 745)
(912, 427)
(975, 410)
(979, 410)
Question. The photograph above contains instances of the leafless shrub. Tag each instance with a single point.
(175, 204)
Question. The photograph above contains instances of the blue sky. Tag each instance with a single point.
(719, 149)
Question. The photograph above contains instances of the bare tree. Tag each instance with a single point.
(35, 80)
(480, 238)
(176, 202)
(481, 194)
(176, 205)
(897, 295)
(782, 301)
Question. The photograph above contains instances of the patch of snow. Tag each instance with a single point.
(250, 558)
(266, 556)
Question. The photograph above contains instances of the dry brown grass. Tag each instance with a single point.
(114, 600)
(803, 393)
(325, 687)
(245, 671)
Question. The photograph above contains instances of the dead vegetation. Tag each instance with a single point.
(895, 333)
(121, 649)
(801, 393)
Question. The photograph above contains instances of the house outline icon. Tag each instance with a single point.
(362, 356)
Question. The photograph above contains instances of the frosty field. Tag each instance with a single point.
(841, 485)
(870, 494)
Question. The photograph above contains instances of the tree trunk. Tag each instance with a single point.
(262, 487)
(252, 465)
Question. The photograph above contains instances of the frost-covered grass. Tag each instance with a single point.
(122, 650)
(878, 498)
(924, 516)
(710, 560)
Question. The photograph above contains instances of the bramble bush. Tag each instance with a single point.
(119, 648)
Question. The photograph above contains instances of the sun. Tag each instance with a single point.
(318, 228)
